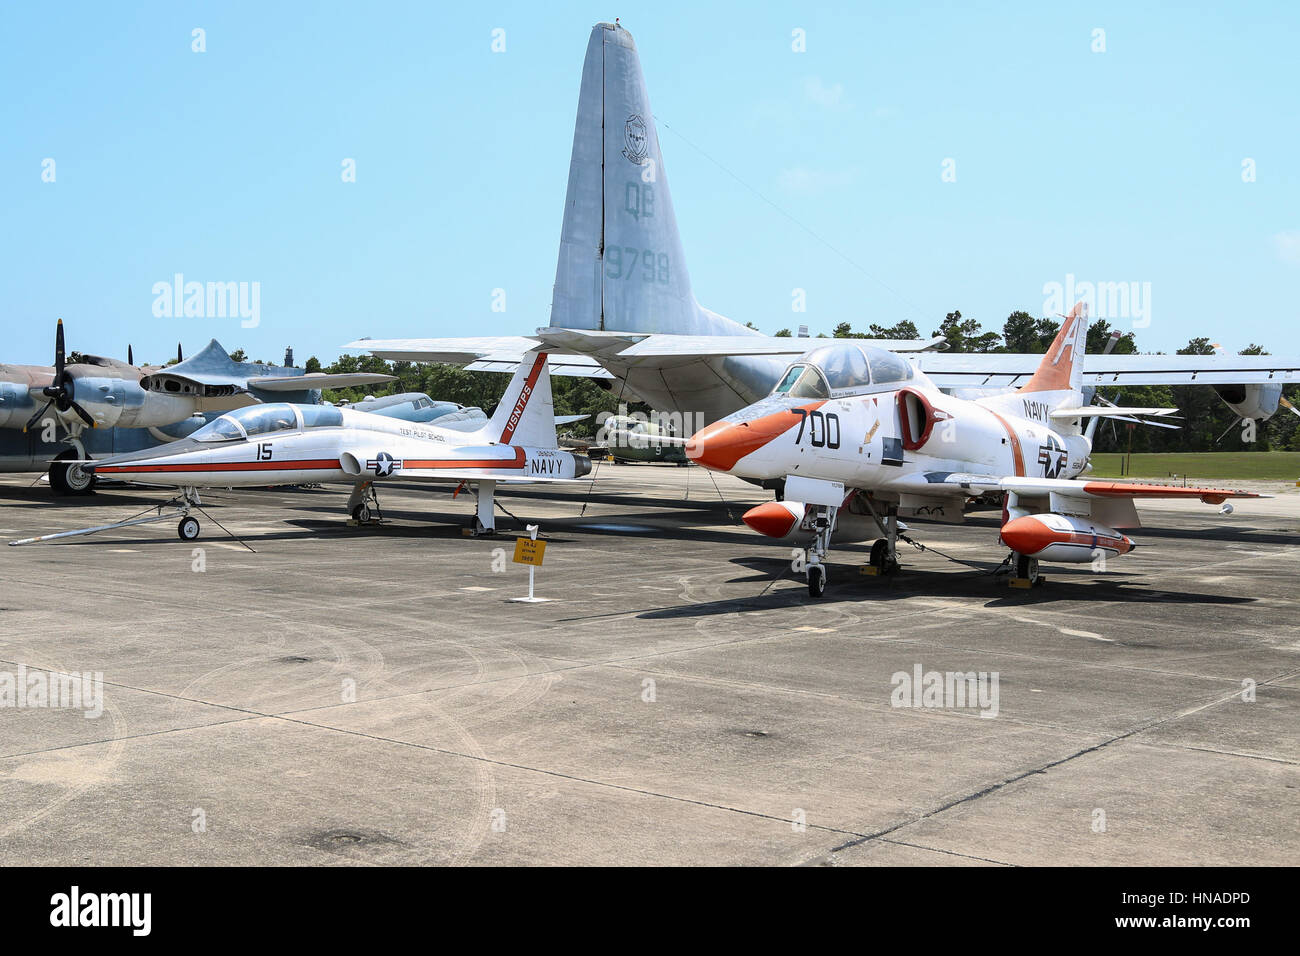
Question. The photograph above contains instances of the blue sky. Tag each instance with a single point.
(818, 170)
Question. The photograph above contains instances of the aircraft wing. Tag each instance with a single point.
(312, 380)
(1000, 370)
(489, 353)
(577, 352)
(573, 366)
(451, 351)
(722, 346)
(1071, 487)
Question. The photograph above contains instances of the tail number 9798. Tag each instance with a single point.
(823, 430)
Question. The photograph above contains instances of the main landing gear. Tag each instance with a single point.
(1027, 575)
(363, 504)
(821, 521)
(484, 522)
(68, 477)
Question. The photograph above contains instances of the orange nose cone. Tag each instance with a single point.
(719, 446)
(1027, 535)
(772, 519)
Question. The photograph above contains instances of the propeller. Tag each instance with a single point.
(179, 356)
(60, 390)
(130, 355)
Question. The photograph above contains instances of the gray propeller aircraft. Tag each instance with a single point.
(94, 407)
(291, 444)
(622, 310)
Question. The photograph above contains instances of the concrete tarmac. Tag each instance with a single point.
(371, 695)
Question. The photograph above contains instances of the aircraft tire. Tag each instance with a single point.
(188, 529)
(816, 580)
(361, 513)
(880, 558)
(1026, 567)
(67, 479)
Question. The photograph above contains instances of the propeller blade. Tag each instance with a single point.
(1285, 404)
(130, 356)
(38, 416)
(179, 356)
(82, 412)
(58, 351)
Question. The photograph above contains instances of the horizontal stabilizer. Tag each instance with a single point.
(1109, 411)
(314, 380)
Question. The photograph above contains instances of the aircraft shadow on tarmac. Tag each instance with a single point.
(847, 585)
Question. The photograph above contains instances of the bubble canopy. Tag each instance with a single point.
(245, 423)
(843, 366)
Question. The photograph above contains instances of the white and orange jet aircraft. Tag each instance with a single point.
(290, 444)
(855, 437)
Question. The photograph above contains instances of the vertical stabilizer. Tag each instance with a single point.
(526, 412)
(1059, 377)
(621, 266)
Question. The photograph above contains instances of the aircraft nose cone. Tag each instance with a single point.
(1027, 535)
(772, 519)
(720, 445)
(708, 445)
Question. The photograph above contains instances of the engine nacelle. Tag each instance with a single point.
(16, 404)
(1066, 539)
(1257, 402)
(120, 403)
(931, 430)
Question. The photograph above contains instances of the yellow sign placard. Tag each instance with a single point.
(528, 551)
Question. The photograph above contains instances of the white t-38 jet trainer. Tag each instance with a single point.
(293, 444)
(856, 436)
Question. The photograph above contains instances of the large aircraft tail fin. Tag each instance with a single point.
(526, 412)
(621, 266)
(1058, 380)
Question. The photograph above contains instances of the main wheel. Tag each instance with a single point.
(816, 580)
(880, 559)
(188, 529)
(361, 513)
(1026, 567)
(68, 478)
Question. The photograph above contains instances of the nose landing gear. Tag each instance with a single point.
(822, 521)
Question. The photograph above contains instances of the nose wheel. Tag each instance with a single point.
(188, 529)
(823, 526)
(816, 580)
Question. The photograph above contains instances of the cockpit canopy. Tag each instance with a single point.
(245, 423)
(841, 367)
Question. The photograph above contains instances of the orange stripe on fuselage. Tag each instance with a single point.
(1017, 454)
(720, 445)
(312, 464)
